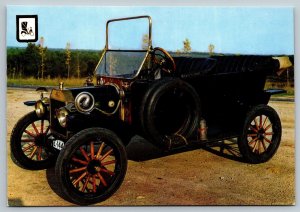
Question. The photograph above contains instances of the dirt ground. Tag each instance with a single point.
(206, 176)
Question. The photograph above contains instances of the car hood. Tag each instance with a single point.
(106, 97)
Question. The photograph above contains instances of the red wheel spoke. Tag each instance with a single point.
(259, 144)
(35, 129)
(264, 145)
(254, 148)
(265, 121)
(33, 152)
(106, 154)
(83, 152)
(94, 184)
(252, 128)
(108, 162)
(100, 151)
(28, 147)
(77, 170)
(29, 133)
(40, 153)
(92, 150)
(269, 133)
(267, 140)
(79, 161)
(252, 141)
(85, 183)
(28, 140)
(251, 135)
(108, 171)
(42, 125)
(101, 179)
(268, 127)
(79, 178)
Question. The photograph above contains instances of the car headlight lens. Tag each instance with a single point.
(61, 115)
(40, 108)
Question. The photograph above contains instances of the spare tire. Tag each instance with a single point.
(170, 111)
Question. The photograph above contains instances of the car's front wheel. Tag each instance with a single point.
(29, 143)
(91, 166)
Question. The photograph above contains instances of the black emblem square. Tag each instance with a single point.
(27, 28)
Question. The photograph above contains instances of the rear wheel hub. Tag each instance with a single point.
(94, 167)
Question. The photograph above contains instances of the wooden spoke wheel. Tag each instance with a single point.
(29, 143)
(261, 134)
(92, 166)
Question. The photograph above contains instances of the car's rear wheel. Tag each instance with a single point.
(91, 166)
(261, 134)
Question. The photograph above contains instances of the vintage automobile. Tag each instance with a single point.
(170, 101)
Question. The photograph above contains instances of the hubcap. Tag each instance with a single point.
(260, 134)
(94, 167)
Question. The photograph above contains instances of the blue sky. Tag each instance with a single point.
(239, 30)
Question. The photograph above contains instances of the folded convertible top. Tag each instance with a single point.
(187, 67)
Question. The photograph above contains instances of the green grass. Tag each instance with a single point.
(72, 82)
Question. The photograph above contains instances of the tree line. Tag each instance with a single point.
(40, 62)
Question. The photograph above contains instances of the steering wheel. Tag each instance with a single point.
(164, 60)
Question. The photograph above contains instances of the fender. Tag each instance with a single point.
(122, 129)
(274, 91)
(32, 103)
(29, 103)
(39, 89)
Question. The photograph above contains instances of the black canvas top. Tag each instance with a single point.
(187, 67)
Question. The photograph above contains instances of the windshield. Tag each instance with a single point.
(128, 41)
(123, 64)
(132, 34)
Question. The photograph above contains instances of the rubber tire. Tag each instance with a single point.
(17, 154)
(244, 148)
(150, 101)
(145, 99)
(67, 189)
